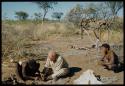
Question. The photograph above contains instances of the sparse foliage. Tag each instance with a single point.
(103, 11)
(38, 16)
(75, 14)
(21, 15)
(89, 12)
(97, 11)
(57, 15)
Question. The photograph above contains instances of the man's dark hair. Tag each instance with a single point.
(106, 45)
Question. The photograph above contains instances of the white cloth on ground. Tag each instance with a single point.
(87, 78)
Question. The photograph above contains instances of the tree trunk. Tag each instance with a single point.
(45, 12)
(114, 17)
(95, 34)
(44, 16)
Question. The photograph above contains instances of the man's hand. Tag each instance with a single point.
(38, 78)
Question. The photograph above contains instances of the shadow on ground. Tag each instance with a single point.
(73, 70)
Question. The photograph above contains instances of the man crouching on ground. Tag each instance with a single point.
(110, 59)
(58, 64)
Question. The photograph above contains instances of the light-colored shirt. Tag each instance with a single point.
(59, 64)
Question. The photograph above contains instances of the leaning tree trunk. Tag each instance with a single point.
(44, 16)
(95, 34)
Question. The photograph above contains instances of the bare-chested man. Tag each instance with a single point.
(58, 64)
(110, 59)
(28, 70)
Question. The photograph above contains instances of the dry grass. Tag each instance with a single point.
(115, 37)
(17, 34)
(29, 40)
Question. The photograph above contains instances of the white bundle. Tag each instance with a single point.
(87, 78)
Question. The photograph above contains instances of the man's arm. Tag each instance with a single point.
(47, 65)
(24, 72)
(59, 63)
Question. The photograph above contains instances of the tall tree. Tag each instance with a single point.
(21, 15)
(45, 6)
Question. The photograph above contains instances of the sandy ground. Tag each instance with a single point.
(79, 60)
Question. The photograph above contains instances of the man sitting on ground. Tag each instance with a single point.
(28, 70)
(58, 64)
(110, 59)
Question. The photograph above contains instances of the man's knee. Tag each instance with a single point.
(61, 72)
(99, 62)
(65, 70)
